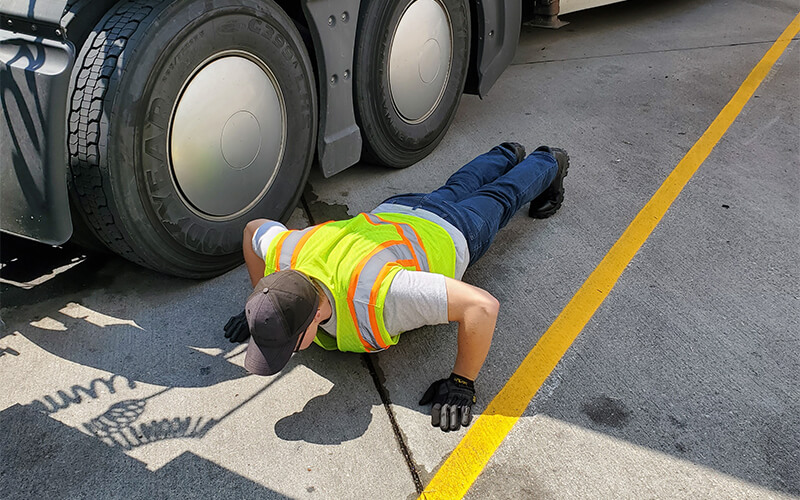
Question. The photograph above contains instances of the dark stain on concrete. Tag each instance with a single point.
(779, 444)
(320, 211)
(606, 411)
(677, 422)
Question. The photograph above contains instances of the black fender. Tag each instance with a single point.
(38, 40)
(495, 35)
(36, 60)
(333, 24)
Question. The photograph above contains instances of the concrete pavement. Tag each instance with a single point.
(118, 383)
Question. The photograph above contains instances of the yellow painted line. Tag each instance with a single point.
(463, 466)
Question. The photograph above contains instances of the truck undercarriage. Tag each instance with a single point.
(158, 128)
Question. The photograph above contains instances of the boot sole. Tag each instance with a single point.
(558, 199)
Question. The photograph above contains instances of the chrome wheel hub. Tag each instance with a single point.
(420, 55)
(227, 135)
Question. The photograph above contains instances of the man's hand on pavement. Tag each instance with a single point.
(452, 400)
(236, 329)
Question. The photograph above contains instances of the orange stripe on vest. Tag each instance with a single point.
(303, 241)
(402, 234)
(351, 292)
(278, 248)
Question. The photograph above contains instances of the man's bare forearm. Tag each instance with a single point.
(474, 339)
(476, 311)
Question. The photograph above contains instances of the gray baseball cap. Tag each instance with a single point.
(278, 311)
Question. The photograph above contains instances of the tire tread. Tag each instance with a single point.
(85, 121)
(124, 196)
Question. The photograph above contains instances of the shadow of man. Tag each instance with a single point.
(342, 414)
(345, 412)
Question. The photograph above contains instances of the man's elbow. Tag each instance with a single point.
(251, 228)
(488, 306)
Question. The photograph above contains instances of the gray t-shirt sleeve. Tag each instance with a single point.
(264, 235)
(415, 299)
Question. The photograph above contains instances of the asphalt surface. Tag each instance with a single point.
(117, 381)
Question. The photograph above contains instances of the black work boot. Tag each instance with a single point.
(517, 148)
(547, 203)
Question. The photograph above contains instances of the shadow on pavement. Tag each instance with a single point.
(341, 414)
(32, 271)
(139, 338)
(119, 425)
(43, 458)
(152, 328)
(172, 359)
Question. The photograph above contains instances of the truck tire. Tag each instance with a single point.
(411, 62)
(188, 119)
(82, 234)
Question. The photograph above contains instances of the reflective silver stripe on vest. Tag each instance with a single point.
(411, 235)
(289, 245)
(368, 278)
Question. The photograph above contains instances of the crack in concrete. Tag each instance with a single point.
(387, 404)
(384, 395)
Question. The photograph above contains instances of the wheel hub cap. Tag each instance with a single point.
(227, 135)
(241, 140)
(419, 60)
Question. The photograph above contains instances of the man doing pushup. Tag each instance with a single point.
(357, 284)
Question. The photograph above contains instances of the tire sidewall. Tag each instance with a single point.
(418, 139)
(174, 40)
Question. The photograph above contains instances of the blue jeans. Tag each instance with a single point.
(480, 198)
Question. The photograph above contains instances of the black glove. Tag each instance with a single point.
(452, 402)
(236, 329)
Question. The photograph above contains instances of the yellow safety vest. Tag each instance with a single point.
(357, 259)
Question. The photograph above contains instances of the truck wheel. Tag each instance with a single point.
(411, 64)
(187, 120)
(82, 233)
